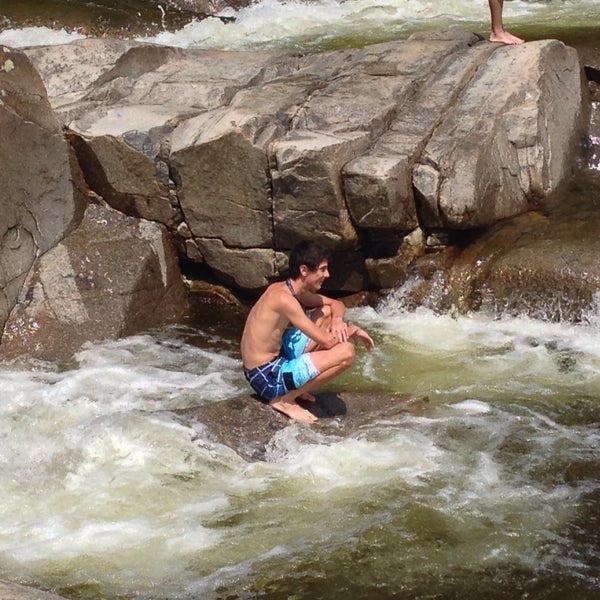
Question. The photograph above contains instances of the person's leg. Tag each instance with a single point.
(294, 346)
(355, 334)
(499, 34)
(329, 364)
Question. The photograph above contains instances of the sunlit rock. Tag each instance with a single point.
(249, 152)
(126, 177)
(243, 268)
(221, 163)
(92, 57)
(38, 203)
(111, 277)
(379, 184)
(508, 140)
(308, 195)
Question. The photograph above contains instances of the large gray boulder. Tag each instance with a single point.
(379, 184)
(325, 178)
(244, 153)
(508, 141)
(38, 203)
(111, 277)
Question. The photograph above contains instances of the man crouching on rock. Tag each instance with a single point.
(295, 338)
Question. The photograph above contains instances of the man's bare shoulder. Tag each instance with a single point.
(274, 292)
(274, 298)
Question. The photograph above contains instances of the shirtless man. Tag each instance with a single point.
(283, 363)
(499, 34)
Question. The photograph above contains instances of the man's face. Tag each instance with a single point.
(314, 279)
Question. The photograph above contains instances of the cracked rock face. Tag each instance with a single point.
(244, 153)
(37, 199)
(111, 277)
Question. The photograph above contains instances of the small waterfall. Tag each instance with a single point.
(542, 264)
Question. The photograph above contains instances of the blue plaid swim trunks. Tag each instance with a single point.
(289, 371)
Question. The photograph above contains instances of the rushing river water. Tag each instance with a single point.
(293, 23)
(490, 490)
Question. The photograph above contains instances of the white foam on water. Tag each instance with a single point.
(296, 24)
(352, 462)
(272, 23)
(89, 455)
(37, 36)
(516, 354)
(472, 407)
(135, 498)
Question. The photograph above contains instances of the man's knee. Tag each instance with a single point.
(347, 353)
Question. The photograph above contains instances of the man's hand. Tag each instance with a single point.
(361, 334)
(339, 329)
(330, 343)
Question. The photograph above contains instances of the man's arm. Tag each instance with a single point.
(294, 313)
(339, 327)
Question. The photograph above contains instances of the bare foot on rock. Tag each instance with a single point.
(293, 410)
(503, 37)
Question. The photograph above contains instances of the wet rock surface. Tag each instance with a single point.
(247, 425)
(13, 591)
(542, 264)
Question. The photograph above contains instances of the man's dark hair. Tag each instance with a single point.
(306, 253)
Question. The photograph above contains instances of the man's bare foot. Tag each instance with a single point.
(307, 397)
(503, 37)
(293, 410)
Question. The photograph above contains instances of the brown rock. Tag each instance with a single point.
(249, 152)
(37, 201)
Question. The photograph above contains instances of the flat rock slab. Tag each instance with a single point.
(246, 425)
